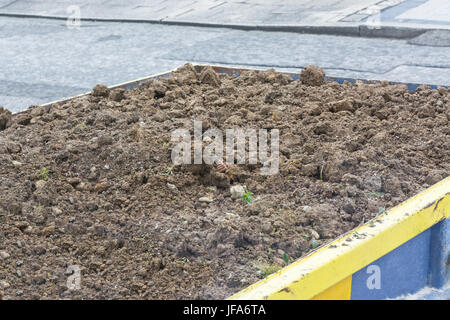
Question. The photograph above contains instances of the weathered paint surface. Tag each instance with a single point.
(340, 291)
(425, 256)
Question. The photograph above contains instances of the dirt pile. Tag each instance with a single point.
(91, 183)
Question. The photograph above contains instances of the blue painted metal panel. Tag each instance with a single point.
(439, 255)
(395, 279)
(426, 257)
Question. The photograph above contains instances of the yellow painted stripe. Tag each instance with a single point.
(329, 265)
(340, 291)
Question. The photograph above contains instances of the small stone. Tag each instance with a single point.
(19, 263)
(237, 191)
(314, 234)
(206, 199)
(4, 255)
(28, 230)
(82, 186)
(56, 211)
(16, 163)
(19, 273)
(40, 184)
(232, 216)
(19, 244)
(172, 187)
(4, 284)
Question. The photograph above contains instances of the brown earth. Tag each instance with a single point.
(91, 182)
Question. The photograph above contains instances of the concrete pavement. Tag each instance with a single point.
(382, 18)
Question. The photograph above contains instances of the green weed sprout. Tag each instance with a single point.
(247, 197)
(43, 174)
(168, 171)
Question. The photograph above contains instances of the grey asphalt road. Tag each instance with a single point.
(43, 60)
